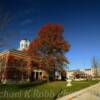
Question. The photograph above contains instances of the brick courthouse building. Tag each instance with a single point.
(17, 66)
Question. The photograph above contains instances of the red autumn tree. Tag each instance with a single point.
(50, 46)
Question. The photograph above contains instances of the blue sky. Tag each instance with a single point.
(81, 20)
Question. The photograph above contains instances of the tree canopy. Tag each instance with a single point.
(50, 46)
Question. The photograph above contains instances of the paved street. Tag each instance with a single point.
(91, 94)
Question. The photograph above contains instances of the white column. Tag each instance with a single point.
(34, 74)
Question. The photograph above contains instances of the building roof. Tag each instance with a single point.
(15, 53)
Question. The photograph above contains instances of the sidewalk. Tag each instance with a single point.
(90, 93)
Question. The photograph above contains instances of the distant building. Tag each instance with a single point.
(83, 73)
(96, 72)
(88, 72)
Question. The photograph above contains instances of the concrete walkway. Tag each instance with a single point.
(90, 93)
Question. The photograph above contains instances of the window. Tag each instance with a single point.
(40, 73)
(26, 45)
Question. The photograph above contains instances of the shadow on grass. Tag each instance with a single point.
(21, 86)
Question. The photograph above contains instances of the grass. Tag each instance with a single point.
(46, 91)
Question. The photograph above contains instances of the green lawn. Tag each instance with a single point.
(46, 91)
